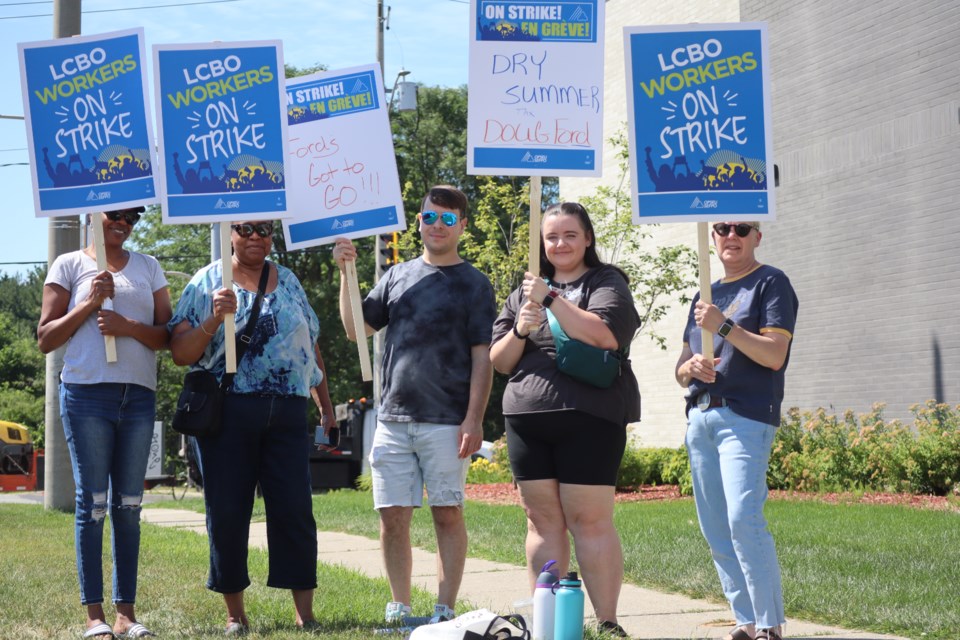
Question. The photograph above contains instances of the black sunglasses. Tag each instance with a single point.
(262, 229)
(130, 217)
(743, 229)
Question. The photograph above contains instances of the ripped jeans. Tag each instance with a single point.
(109, 429)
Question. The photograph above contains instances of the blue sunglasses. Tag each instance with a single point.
(449, 218)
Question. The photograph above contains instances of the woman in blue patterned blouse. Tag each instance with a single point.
(265, 439)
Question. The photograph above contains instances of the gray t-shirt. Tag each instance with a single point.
(85, 359)
(536, 385)
(433, 317)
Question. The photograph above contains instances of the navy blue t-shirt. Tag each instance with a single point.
(433, 316)
(760, 302)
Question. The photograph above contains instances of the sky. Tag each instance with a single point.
(427, 37)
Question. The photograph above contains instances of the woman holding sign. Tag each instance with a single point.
(107, 408)
(265, 439)
(566, 436)
(733, 411)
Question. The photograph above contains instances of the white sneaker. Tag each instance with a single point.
(396, 611)
(442, 613)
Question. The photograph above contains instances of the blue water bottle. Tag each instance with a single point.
(568, 619)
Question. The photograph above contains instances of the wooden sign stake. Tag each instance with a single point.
(230, 320)
(703, 238)
(356, 304)
(109, 342)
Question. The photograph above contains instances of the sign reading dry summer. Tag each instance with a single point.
(341, 169)
(536, 88)
(222, 131)
(87, 120)
(699, 111)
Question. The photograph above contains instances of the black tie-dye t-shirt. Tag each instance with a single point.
(433, 316)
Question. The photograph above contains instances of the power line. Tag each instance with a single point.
(157, 6)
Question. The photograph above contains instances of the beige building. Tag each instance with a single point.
(866, 126)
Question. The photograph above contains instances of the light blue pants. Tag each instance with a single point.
(729, 455)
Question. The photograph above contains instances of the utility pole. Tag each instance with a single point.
(381, 267)
(63, 236)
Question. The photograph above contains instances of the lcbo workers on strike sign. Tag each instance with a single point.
(223, 131)
(87, 123)
(699, 111)
(536, 88)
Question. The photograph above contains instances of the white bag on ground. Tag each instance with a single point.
(481, 624)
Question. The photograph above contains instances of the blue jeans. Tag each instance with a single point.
(264, 441)
(108, 427)
(729, 455)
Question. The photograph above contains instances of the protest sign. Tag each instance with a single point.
(698, 102)
(536, 88)
(699, 111)
(222, 131)
(89, 131)
(342, 176)
(342, 171)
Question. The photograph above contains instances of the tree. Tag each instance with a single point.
(22, 366)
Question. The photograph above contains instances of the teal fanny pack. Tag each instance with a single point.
(590, 365)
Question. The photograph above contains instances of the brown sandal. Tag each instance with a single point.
(768, 634)
(738, 634)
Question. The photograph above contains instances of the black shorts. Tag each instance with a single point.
(569, 446)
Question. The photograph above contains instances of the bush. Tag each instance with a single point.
(814, 451)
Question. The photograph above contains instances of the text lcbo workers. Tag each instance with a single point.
(215, 86)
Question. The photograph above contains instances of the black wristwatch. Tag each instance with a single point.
(726, 328)
(549, 298)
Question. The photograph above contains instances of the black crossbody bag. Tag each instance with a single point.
(200, 405)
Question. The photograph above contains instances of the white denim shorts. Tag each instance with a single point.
(407, 456)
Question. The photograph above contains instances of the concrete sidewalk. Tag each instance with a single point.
(496, 586)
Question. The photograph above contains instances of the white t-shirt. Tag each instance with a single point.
(85, 360)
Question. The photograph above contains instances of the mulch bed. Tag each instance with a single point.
(506, 493)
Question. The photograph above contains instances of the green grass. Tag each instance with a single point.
(881, 568)
(887, 569)
(40, 597)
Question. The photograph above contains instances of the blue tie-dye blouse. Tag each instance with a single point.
(280, 359)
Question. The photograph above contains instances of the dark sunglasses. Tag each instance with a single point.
(130, 217)
(449, 218)
(262, 229)
(743, 229)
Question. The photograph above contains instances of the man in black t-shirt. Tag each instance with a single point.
(438, 313)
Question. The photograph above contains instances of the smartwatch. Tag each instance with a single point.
(549, 298)
(726, 328)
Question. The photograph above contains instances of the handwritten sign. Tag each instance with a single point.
(342, 171)
(222, 131)
(699, 111)
(536, 88)
(89, 134)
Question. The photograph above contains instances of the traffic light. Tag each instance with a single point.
(386, 251)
